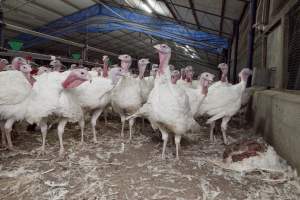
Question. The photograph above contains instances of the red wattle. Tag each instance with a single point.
(70, 82)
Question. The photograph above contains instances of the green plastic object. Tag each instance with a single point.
(76, 56)
(15, 45)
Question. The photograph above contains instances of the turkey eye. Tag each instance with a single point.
(82, 73)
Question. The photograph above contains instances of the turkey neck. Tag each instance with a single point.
(163, 61)
(2, 67)
(183, 76)
(57, 68)
(29, 78)
(224, 77)
(241, 86)
(105, 69)
(189, 79)
(204, 86)
(244, 79)
(173, 80)
(125, 66)
(141, 71)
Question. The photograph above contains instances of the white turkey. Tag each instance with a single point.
(95, 96)
(224, 102)
(98, 71)
(223, 82)
(55, 64)
(3, 63)
(15, 90)
(144, 84)
(187, 77)
(70, 109)
(73, 66)
(42, 70)
(126, 97)
(182, 79)
(150, 79)
(189, 74)
(175, 76)
(17, 62)
(168, 106)
(171, 67)
(51, 97)
(197, 96)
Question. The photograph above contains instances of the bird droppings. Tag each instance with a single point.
(115, 168)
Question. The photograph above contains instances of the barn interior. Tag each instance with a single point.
(258, 160)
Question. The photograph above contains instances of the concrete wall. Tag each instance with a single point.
(277, 118)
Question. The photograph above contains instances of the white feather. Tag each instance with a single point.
(223, 100)
(126, 96)
(45, 96)
(94, 94)
(14, 87)
(15, 93)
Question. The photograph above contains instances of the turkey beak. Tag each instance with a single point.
(30, 69)
(157, 48)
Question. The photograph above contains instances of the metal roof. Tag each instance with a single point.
(211, 16)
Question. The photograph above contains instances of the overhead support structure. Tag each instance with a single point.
(39, 56)
(198, 10)
(194, 13)
(222, 17)
(251, 36)
(168, 4)
(171, 10)
(103, 19)
(107, 19)
(54, 38)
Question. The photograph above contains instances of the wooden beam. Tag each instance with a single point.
(273, 22)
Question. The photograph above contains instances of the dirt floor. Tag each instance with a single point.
(122, 170)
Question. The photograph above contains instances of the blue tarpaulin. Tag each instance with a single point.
(99, 18)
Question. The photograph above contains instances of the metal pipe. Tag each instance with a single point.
(53, 38)
(236, 48)
(251, 37)
(39, 56)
